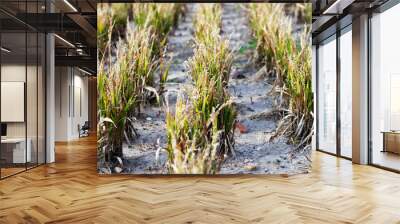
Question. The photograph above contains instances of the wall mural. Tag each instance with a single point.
(204, 88)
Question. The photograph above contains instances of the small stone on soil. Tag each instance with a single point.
(240, 76)
(105, 170)
(250, 167)
(241, 128)
(118, 169)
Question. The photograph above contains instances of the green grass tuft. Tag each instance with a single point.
(200, 130)
(126, 72)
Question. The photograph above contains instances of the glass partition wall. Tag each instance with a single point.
(334, 94)
(22, 77)
(345, 90)
(385, 89)
(326, 132)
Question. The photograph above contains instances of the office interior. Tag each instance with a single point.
(357, 81)
(48, 81)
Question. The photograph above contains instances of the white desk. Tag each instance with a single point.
(18, 149)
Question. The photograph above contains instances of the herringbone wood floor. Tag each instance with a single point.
(70, 191)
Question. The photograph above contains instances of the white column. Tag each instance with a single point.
(360, 90)
(50, 94)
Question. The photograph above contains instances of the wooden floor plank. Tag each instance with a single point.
(71, 191)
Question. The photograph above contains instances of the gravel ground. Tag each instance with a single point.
(254, 152)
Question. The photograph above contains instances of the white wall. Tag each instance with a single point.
(15, 73)
(70, 83)
(79, 118)
(12, 73)
(62, 81)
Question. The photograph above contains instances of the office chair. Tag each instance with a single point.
(84, 130)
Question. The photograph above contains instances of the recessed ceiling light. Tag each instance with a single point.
(337, 7)
(70, 5)
(64, 40)
(5, 50)
(84, 71)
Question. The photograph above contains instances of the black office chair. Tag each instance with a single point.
(84, 130)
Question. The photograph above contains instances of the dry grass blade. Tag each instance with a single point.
(289, 57)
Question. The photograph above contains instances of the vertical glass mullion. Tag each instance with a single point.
(338, 74)
(1, 165)
(369, 55)
(37, 92)
(26, 86)
(316, 96)
(37, 89)
(44, 76)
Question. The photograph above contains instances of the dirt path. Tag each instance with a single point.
(140, 157)
(254, 152)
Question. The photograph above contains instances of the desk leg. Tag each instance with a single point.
(384, 142)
